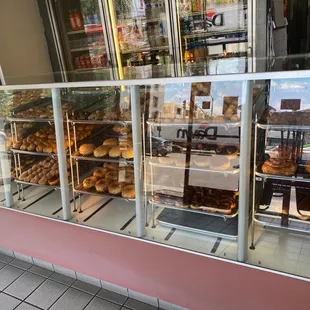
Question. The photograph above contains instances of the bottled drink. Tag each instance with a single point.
(78, 19)
(72, 20)
(194, 6)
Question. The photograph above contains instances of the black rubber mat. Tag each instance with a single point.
(206, 223)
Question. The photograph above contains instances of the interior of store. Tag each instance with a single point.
(190, 132)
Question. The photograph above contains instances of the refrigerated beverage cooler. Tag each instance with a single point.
(212, 36)
(80, 35)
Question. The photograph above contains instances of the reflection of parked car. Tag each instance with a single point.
(159, 146)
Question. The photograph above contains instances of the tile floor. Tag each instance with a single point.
(24, 286)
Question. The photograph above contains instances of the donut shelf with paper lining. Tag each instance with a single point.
(103, 159)
(33, 153)
(234, 212)
(99, 122)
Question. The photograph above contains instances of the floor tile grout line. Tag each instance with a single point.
(68, 287)
(90, 301)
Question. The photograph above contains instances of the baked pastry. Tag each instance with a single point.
(128, 191)
(54, 180)
(100, 172)
(90, 182)
(115, 151)
(122, 129)
(102, 186)
(111, 166)
(307, 166)
(202, 162)
(110, 142)
(115, 188)
(112, 175)
(219, 119)
(234, 118)
(87, 149)
(101, 151)
(129, 177)
(128, 154)
(219, 162)
(277, 166)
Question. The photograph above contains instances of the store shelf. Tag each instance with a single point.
(80, 190)
(103, 159)
(86, 70)
(143, 20)
(86, 48)
(214, 34)
(226, 172)
(145, 49)
(283, 178)
(32, 153)
(277, 215)
(36, 184)
(205, 123)
(33, 120)
(101, 122)
(283, 127)
(232, 215)
(76, 31)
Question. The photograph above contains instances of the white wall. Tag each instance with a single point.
(23, 51)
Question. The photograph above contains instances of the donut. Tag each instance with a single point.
(43, 181)
(115, 188)
(128, 191)
(100, 172)
(219, 163)
(115, 151)
(54, 180)
(87, 149)
(112, 166)
(128, 154)
(90, 182)
(219, 119)
(23, 176)
(102, 186)
(234, 118)
(110, 142)
(101, 151)
(48, 149)
(121, 129)
(112, 175)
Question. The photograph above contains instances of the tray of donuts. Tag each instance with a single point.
(110, 180)
(215, 163)
(44, 139)
(199, 199)
(108, 149)
(43, 173)
(29, 105)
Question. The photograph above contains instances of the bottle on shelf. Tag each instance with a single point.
(78, 19)
(194, 6)
(72, 20)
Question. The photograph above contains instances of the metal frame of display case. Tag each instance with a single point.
(245, 150)
(266, 218)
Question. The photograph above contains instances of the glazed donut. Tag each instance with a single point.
(100, 172)
(48, 149)
(110, 142)
(90, 182)
(128, 154)
(43, 181)
(112, 175)
(54, 180)
(102, 186)
(128, 191)
(112, 166)
(115, 151)
(101, 151)
(87, 149)
(115, 188)
(23, 176)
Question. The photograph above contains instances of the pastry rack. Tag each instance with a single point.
(76, 158)
(281, 217)
(79, 103)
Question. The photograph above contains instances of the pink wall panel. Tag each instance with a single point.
(189, 280)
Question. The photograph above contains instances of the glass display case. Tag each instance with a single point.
(212, 36)
(142, 37)
(84, 39)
